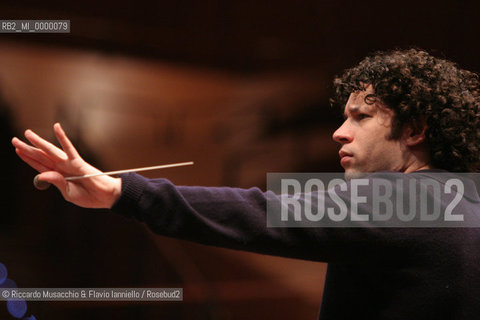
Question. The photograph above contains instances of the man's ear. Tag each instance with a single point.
(413, 135)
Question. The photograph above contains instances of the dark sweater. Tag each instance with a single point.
(373, 273)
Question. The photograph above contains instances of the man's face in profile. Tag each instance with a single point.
(364, 136)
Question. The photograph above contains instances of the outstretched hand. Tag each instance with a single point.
(54, 164)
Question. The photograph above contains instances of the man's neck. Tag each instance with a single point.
(418, 168)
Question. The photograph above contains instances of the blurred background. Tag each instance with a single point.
(239, 87)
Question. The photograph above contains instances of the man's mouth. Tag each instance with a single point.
(345, 157)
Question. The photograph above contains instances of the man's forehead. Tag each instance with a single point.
(358, 103)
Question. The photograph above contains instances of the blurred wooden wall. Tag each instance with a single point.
(125, 112)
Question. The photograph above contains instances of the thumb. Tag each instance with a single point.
(43, 180)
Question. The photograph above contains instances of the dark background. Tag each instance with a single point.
(252, 36)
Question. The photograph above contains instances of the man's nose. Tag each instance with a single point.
(343, 134)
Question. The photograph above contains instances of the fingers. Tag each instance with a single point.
(67, 146)
(31, 162)
(51, 150)
(25, 150)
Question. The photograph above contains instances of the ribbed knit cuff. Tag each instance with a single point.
(133, 186)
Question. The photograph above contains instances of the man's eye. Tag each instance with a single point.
(362, 116)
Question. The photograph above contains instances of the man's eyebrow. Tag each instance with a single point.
(350, 110)
(360, 108)
(354, 109)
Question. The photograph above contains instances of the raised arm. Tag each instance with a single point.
(55, 164)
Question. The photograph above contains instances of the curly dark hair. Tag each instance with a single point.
(423, 90)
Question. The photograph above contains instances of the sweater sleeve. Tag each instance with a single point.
(236, 218)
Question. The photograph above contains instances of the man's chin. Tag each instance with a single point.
(352, 174)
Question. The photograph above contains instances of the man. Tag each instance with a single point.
(406, 112)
